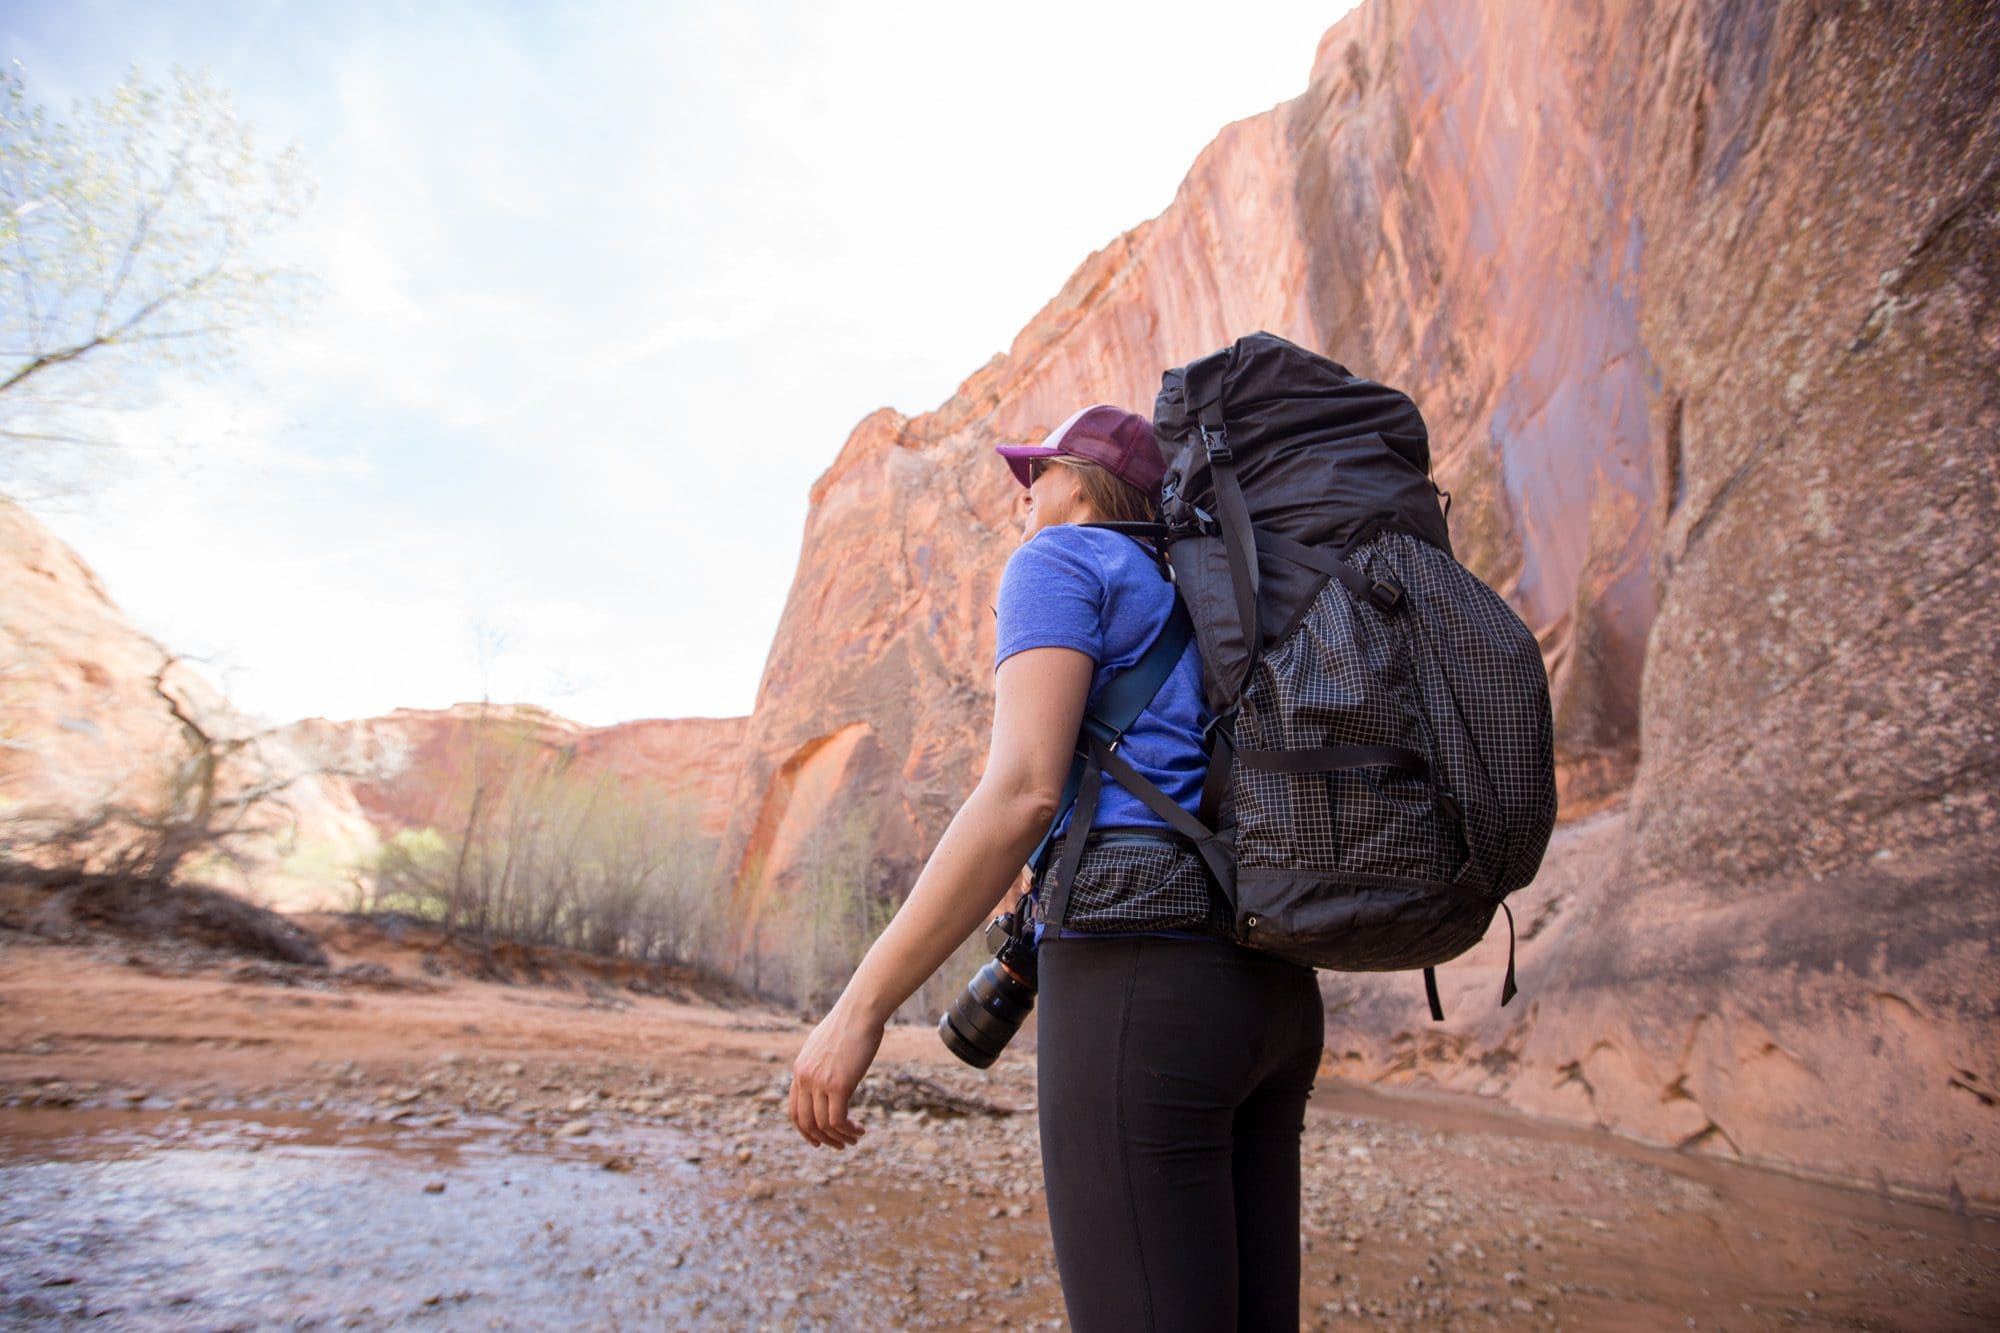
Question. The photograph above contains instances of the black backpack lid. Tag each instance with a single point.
(1323, 457)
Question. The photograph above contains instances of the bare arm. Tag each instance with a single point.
(1037, 708)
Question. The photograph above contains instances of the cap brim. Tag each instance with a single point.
(1018, 457)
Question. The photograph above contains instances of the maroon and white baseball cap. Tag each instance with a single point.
(1118, 441)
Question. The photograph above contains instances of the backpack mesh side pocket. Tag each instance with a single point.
(1343, 677)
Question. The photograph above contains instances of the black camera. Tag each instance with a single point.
(985, 1018)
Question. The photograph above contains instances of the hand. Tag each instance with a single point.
(824, 1077)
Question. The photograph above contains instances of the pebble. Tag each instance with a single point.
(575, 1129)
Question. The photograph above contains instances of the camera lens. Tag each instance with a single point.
(986, 1016)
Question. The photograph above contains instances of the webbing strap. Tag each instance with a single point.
(1327, 758)
(1127, 694)
(1238, 541)
(1152, 536)
(1507, 988)
(1124, 697)
(1085, 813)
(1384, 593)
(1203, 838)
(1215, 786)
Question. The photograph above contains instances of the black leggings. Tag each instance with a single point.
(1173, 1083)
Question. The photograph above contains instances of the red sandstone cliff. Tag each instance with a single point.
(95, 714)
(1699, 300)
(407, 767)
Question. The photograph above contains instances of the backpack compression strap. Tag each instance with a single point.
(1508, 990)
(1202, 383)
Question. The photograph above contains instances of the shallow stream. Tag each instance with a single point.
(151, 1220)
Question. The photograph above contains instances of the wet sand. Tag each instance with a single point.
(187, 1145)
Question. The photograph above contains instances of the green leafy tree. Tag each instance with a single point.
(134, 241)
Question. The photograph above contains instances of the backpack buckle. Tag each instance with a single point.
(1386, 593)
(1217, 445)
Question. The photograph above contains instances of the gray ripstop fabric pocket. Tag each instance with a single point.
(1136, 883)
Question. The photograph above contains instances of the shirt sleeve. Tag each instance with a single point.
(1052, 596)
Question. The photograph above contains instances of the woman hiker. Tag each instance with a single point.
(1173, 1064)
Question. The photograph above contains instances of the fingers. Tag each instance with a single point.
(820, 1114)
(840, 1131)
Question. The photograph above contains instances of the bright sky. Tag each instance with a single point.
(606, 287)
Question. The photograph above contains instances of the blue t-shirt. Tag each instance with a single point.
(1101, 593)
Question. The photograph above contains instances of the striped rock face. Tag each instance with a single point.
(1698, 301)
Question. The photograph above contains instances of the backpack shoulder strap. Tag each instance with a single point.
(1124, 697)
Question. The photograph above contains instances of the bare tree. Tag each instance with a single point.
(133, 240)
(530, 849)
(219, 792)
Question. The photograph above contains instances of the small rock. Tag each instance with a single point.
(575, 1129)
(434, 1187)
(617, 1162)
(577, 1105)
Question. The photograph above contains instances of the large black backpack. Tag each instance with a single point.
(1381, 769)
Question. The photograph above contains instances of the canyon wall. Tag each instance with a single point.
(411, 768)
(104, 735)
(98, 718)
(1699, 300)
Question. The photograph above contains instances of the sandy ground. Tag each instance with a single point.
(187, 1141)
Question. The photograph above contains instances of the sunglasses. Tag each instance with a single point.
(1038, 467)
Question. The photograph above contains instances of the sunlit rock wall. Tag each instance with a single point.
(1699, 301)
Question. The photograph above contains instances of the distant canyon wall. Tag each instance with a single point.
(96, 718)
(1698, 299)
(411, 769)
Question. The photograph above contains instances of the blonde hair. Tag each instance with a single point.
(1111, 497)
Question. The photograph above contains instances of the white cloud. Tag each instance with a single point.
(606, 286)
